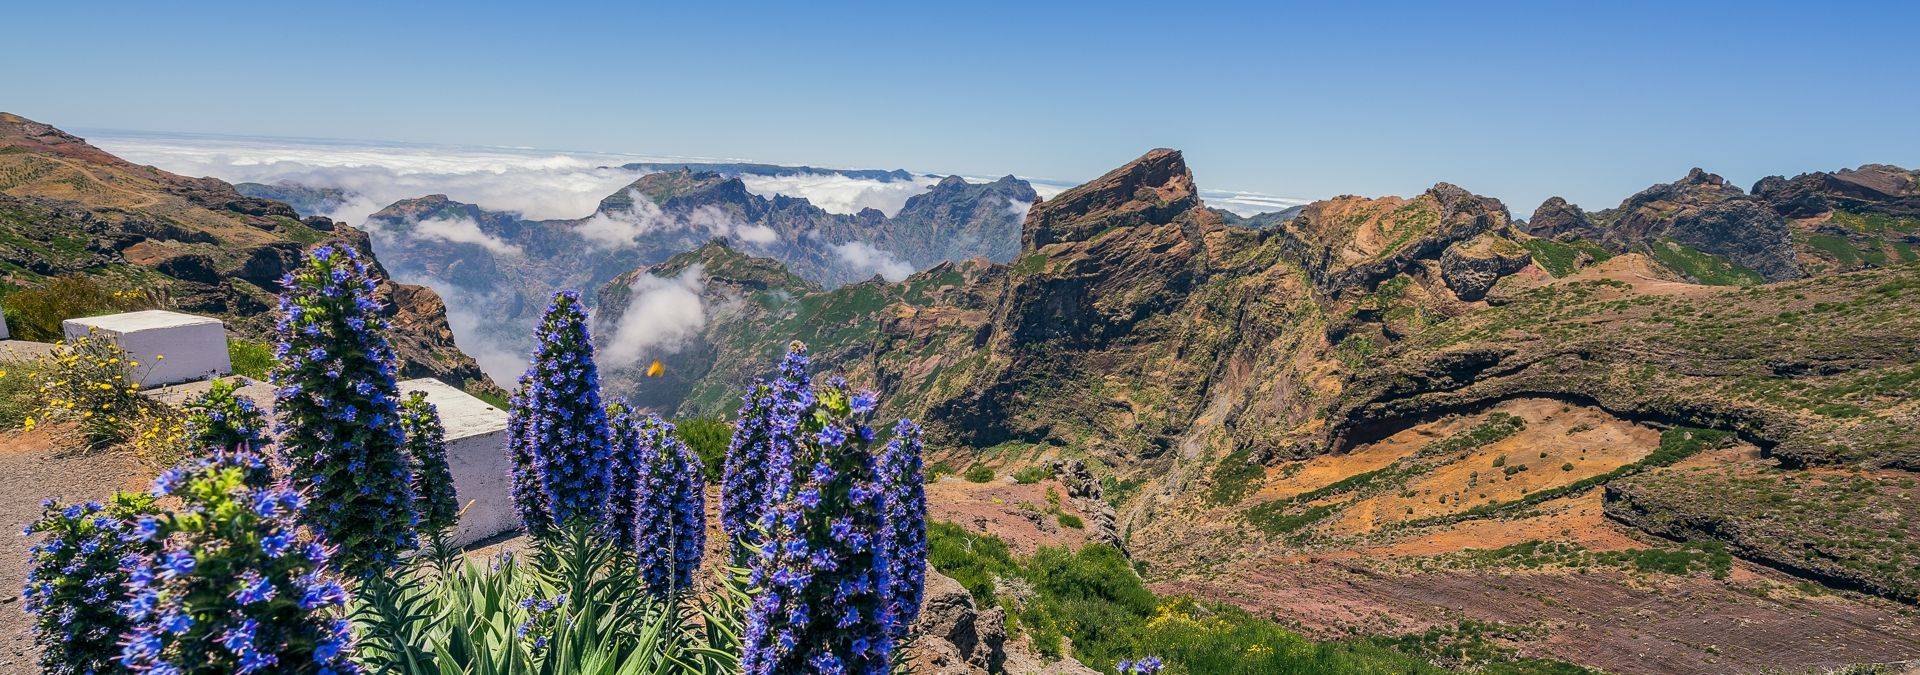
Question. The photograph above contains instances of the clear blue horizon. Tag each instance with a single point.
(1520, 101)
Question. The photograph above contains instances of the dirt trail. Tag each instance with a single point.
(45, 463)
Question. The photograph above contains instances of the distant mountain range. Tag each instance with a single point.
(735, 169)
(506, 267)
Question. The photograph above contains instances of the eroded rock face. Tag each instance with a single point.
(955, 637)
(1351, 244)
(1472, 268)
(1558, 219)
(1090, 498)
(1873, 188)
(1706, 213)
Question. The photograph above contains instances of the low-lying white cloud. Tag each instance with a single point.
(621, 229)
(534, 183)
(662, 315)
(463, 230)
(1018, 209)
(841, 194)
(864, 259)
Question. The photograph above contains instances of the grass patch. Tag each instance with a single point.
(1704, 556)
(1094, 598)
(35, 313)
(709, 437)
(251, 358)
(1236, 476)
(1032, 474)
(1561, 259)
(1073, 521)
(1277, 518)
(1701, 266)
(978, 473)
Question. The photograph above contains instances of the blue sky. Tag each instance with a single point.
(1517, 100)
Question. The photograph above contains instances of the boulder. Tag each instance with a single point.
(1473, 267)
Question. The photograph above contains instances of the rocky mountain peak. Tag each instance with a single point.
(1872, 188)
(1149, 190)
(1559, 219)
(693, 187)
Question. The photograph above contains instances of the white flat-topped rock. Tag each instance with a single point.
(3, 324)
(477, 456)
(193, 347)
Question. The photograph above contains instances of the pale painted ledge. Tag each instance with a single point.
(477, 456)
(193, 347)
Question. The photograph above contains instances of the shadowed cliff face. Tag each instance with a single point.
(68, 207)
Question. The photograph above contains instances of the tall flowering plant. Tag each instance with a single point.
(77, 576)
(823, 570)
(764, 436)
(623, 474)
(339, 411)
(658, 509)
(426, 445)
(221, 419)
(232, 584)
(670, 530)
(904, 503)
(558, 433)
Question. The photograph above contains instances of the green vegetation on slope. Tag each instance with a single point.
(1093, 598)
(1561, 259)
(1701, 266)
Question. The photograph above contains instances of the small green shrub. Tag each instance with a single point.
(979, 473)
(91, 383)
(708, 436)
(35, 313)
(1073, 521)
(1032, 474)
(1235, 477)
(251, 358)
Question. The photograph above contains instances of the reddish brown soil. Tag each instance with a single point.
(1017, 513)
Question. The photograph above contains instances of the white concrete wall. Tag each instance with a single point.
(194, 347)
(477, 456)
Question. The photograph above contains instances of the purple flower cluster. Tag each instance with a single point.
(1149, 665)
(221, 419)
(670, 532)
(76, 580)
(768, 419)
(904, 503)
(230, 582)
(658, 509)
(432, 480)
(558, 433)
(825, 571)
(339, 411)
(623, 505)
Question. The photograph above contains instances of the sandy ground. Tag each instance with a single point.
(35, 466)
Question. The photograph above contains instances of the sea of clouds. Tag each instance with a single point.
(548, 184)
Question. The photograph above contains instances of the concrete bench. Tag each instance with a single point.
(477, 455)
(194, 347)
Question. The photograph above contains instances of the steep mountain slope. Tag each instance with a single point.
(67, 207)
(1411, 399)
